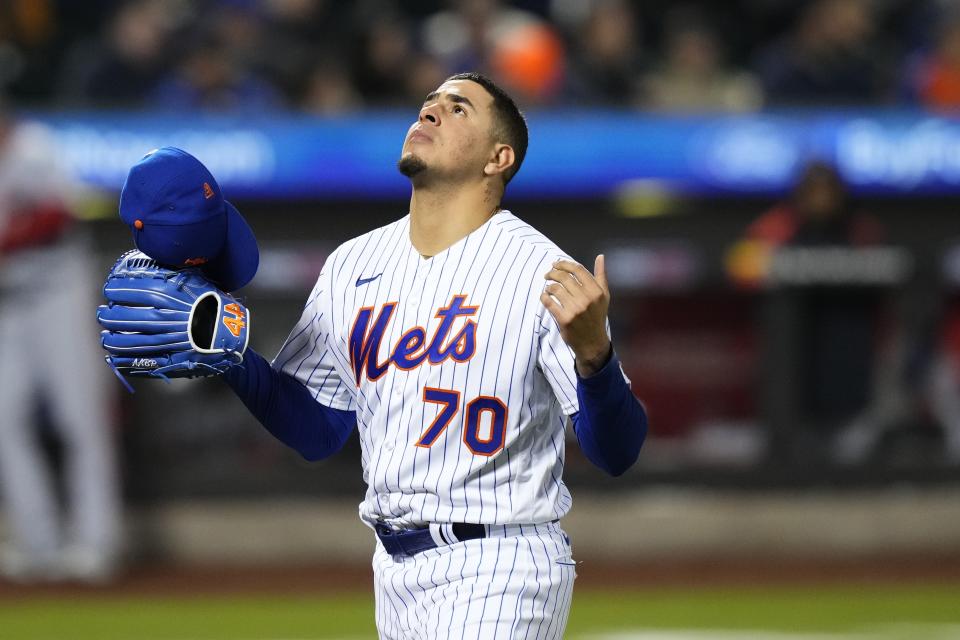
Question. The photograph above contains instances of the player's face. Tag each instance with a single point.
(452, 137)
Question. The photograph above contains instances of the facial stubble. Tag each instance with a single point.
(411, 165)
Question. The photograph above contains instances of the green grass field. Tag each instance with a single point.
(825, 613)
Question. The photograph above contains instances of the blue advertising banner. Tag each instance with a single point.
(572, 154)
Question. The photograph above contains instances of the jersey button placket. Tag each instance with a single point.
(418, 281)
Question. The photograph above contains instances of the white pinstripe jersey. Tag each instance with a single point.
(457, 373)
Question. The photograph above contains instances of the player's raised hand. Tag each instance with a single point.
(578, 300)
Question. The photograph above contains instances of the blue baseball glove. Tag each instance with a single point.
(166, 323)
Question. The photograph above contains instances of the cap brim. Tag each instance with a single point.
(237, 263)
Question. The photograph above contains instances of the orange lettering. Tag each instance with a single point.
(236, 323)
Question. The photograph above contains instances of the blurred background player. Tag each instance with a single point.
(839, 329)
(51, 374)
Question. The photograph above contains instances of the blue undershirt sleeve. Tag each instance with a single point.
(611, 424)
(286, 408)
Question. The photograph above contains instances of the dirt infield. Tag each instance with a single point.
(166, 580)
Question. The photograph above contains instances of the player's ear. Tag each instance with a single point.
(500, 160)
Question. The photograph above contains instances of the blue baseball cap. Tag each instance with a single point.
(178, 217)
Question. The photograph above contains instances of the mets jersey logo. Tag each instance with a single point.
(412, 349)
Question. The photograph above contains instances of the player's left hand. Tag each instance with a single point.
(165, 323)
(578, 300)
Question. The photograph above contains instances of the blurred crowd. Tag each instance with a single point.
(331, 56)
(850, 385)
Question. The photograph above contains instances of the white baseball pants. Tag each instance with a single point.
(515, 583)
(49, 347)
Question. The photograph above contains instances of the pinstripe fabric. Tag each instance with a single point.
(520, 367)
(517, 583)
(461, 384)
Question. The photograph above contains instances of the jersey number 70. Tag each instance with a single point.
(476, 408)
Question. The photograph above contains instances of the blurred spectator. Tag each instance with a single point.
(30, 50)
(460, 36)
(240, 29)
(382, 59)
(424, 74)
(517, 48)
(51, 366)
(329, 90)
(606, 61)
(303, 50)
(819, 212)
(209, 77)
(935, 79)
(529, 59)
(829, 58)
(388, 68)
(833, 51)
(121, 67)
(837, 327)
(692, 76)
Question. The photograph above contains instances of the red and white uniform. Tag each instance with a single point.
(48, 339)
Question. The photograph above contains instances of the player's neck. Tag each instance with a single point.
(440, 218)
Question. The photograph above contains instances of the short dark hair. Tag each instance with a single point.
(510, 126)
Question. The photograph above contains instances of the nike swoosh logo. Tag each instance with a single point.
(361, 281)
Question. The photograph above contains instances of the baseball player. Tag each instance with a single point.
(458, 340)
(46, 275)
